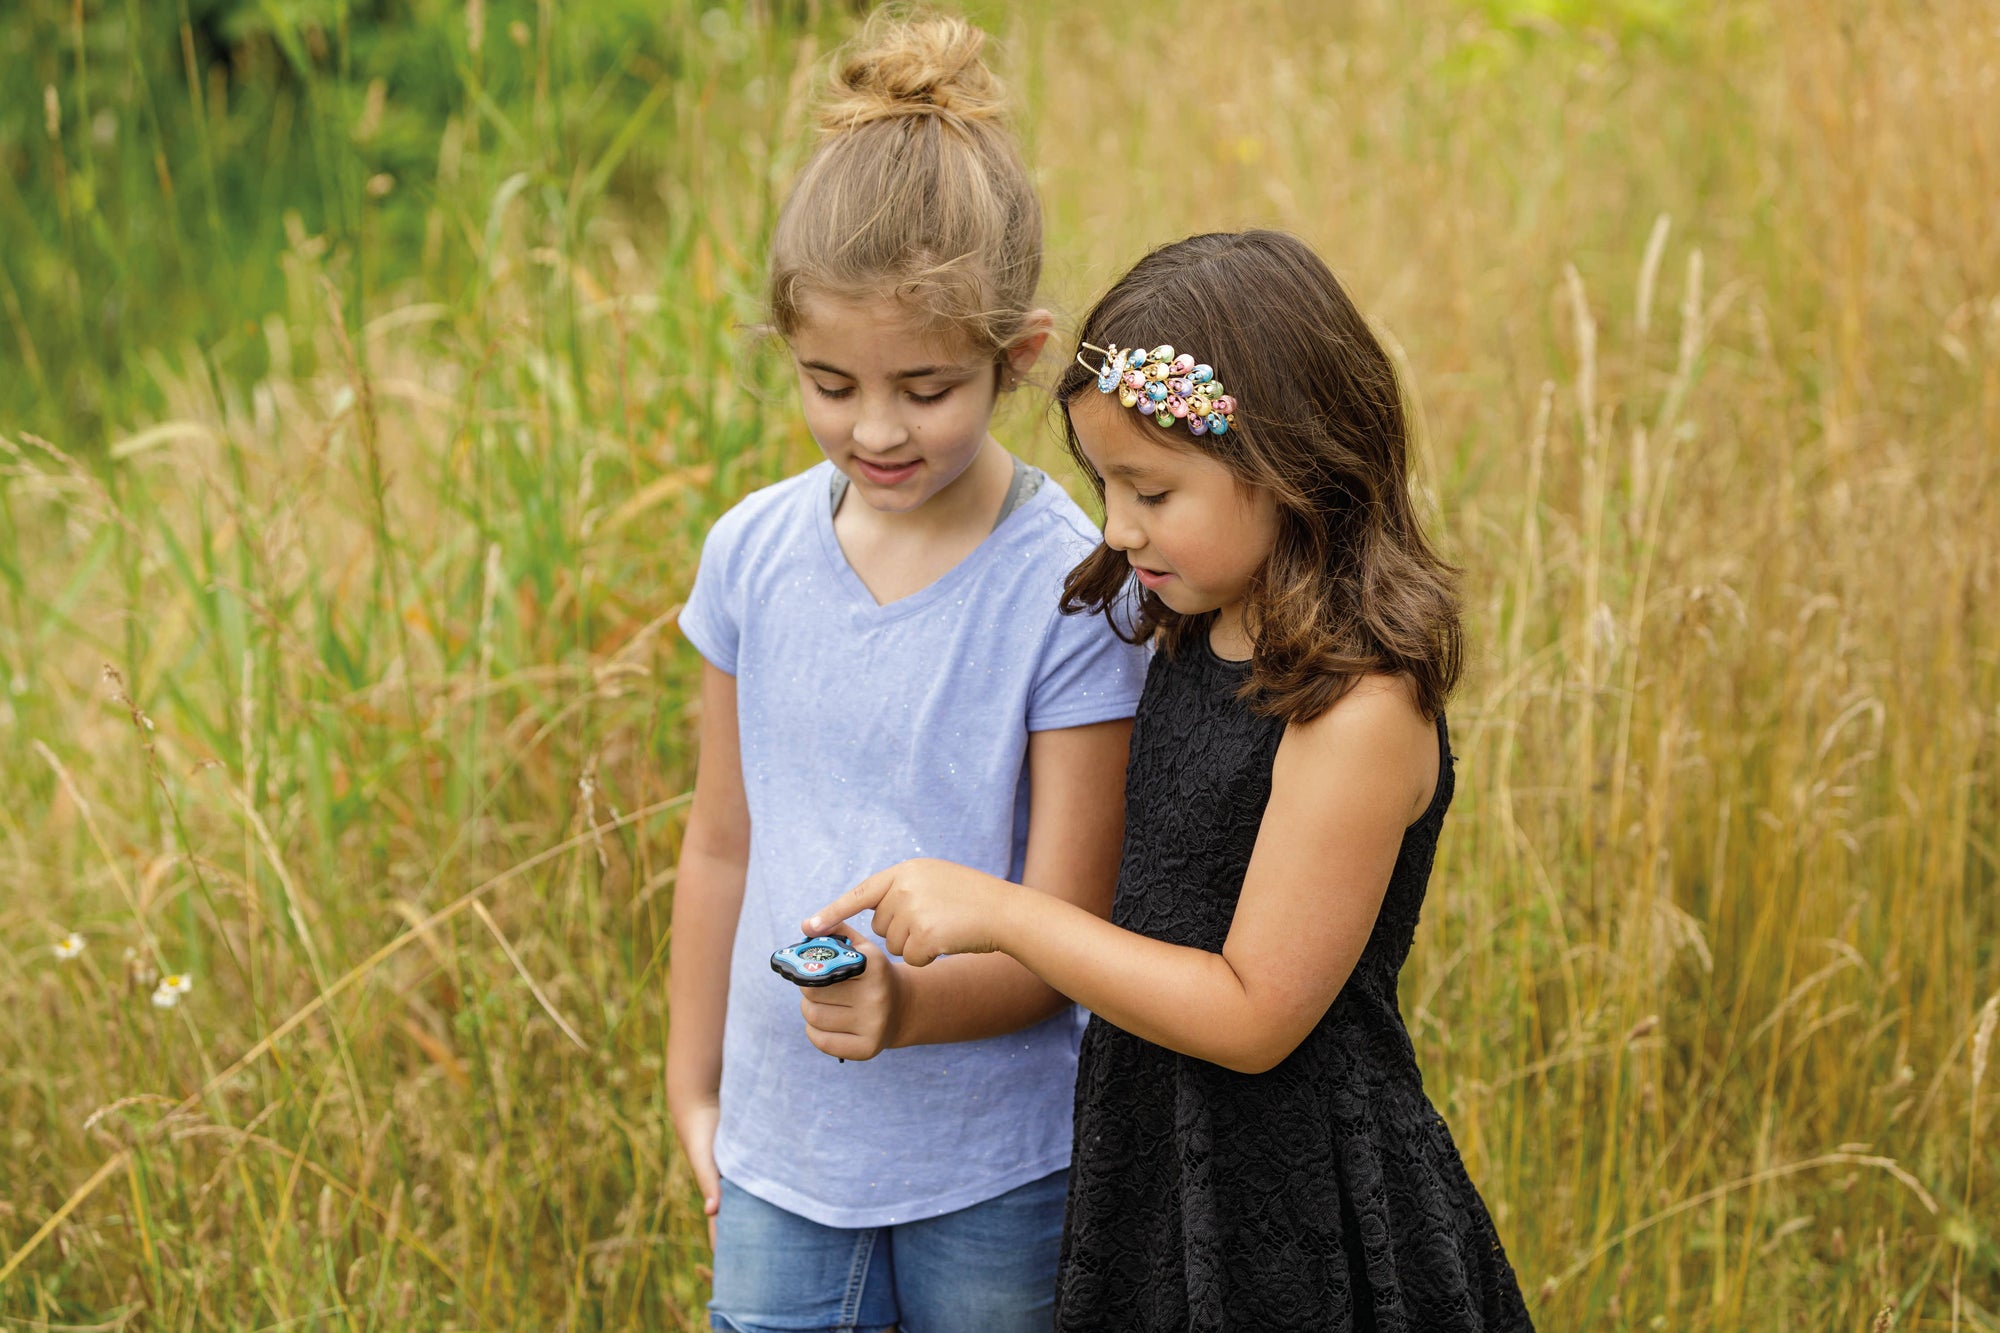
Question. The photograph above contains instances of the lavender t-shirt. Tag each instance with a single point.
(871, 734)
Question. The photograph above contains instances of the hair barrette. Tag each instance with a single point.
(1170, 388)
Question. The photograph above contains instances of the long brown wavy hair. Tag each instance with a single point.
(1352, 586)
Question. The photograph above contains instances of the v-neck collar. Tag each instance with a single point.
(941, 586)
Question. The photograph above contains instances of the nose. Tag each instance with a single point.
(1121, 528)
(878, 429)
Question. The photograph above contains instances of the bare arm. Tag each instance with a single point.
(1343, 789)
(708, 896)
(1076, 825)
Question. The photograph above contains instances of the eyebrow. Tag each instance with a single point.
(1130, 470)
(920, 372)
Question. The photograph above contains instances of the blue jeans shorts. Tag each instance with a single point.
(990, 1267)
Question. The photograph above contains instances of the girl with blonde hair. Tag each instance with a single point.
(888, 674)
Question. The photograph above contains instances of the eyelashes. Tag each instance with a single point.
(921, 399)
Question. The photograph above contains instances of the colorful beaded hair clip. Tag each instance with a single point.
(1163, 386)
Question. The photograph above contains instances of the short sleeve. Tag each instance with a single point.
(711, 618)
(1086, 674)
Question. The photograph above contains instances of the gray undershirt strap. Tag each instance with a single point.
(1027, 480)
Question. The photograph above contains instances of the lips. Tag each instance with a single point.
(887, 474)
(1150, 577)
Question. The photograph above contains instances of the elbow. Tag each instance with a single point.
(1260, 1054)
(1268, 1029)
(712, 855)
(1266, 1038)
(1254, 1064)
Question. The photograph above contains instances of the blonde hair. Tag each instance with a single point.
(916, 189)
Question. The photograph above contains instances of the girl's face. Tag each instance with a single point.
(899, 409)
(1193, 533)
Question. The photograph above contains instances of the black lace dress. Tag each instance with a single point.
(1324, 1194)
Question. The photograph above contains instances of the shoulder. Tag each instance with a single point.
(754, 517)
(1054, 528)
(1044, 541)
(1375, 736)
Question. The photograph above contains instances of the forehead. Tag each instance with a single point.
(872, 334)
(1118, 441)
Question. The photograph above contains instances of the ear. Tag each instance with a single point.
(1024, 351)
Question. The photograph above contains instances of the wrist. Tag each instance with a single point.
(1011, 908)
(897, 980)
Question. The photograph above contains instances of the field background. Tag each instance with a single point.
(370, 370)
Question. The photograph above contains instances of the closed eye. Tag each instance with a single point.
(928, 398)
(1153, 498)
(836, 394)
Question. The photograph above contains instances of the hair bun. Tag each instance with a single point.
(914, 65)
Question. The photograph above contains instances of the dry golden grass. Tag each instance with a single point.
(1701, 312)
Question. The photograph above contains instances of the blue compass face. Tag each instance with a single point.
(818, 961)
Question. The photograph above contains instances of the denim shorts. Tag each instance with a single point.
(989, 1267)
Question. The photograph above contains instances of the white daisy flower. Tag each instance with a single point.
(69, 946)
(168, 993)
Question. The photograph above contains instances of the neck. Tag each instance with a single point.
(1229, 633)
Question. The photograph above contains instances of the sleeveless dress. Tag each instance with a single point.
(1324, 1194)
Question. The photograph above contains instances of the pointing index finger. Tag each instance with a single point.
(861, 898)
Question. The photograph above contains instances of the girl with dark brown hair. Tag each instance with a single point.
(1254, 1148)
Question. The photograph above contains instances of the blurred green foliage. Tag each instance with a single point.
(151, 152)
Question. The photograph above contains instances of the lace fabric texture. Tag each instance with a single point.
(1324, 1194)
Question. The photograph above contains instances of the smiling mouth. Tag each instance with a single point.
(886, 472)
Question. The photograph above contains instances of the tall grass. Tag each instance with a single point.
(342, 676)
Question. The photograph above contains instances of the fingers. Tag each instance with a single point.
(842, 1045)
(696, 1127)
(851, 1031)
(709, 1181)
(866, 947)
(856, 989)
(829, 1015)
(899, 936)
(861, 898)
